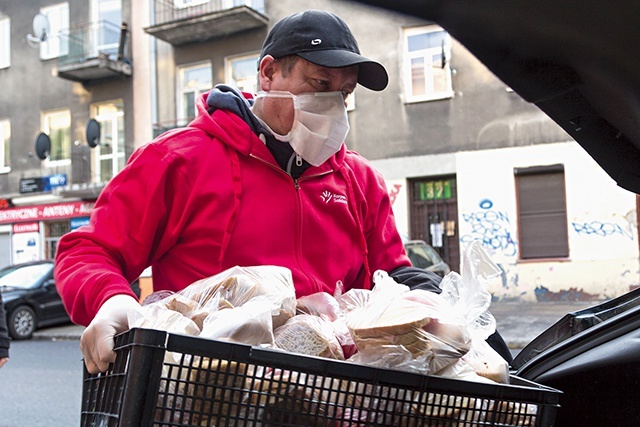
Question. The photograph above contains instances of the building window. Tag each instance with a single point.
(5, 145)
(427, 74)
(193, 81)
(5, 42)
(109, 155)
(242, 72)
(107, 14)
(57, 43)
(542, 212)
(57, 124)
(53, 232)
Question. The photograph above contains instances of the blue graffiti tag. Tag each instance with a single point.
(491, 228)
(602, 229)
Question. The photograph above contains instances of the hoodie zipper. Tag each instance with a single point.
(296, 184)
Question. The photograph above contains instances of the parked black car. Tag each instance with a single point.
(577, 60)
(30, 298)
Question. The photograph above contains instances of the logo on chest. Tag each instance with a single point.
(329, 197)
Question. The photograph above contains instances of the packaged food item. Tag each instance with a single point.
(310, 335)
(267, 288)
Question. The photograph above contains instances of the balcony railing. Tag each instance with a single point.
(96, 50)
(188, 21)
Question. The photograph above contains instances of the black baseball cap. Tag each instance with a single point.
(324, 39)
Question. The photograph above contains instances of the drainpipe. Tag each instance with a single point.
(124, 29)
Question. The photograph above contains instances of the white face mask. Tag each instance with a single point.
(320, 124)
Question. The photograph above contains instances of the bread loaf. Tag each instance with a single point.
(310, 335)
(397, 322)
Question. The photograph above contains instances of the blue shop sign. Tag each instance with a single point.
(57, 180)
(79, 222)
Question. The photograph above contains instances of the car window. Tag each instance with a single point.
(423, 256)
(25, 277)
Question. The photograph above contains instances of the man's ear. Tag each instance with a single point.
(268, 68)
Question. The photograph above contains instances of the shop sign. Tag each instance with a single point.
(31, 185)
(79, 222)
(26, 227)
(57, 180)
(44, 183)
(46, 212)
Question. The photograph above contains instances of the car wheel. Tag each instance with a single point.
(22, 323)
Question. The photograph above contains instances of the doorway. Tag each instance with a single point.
(433, 216)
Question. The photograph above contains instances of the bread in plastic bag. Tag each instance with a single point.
(234, 287)
(328, 308)
(310, 335)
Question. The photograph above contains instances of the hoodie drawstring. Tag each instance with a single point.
(237, 191)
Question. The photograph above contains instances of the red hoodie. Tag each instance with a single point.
(208, 197)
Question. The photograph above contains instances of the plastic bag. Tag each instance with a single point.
(425, 332)
(401, 328)
(329, 308)
(470, 299)
(268, 287)
(310, 335)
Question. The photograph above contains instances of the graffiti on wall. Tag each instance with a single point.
(491, 227)
(393, 193)
(603, 229)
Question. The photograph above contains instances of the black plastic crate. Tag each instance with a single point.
(163, 379)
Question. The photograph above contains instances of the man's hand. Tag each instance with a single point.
(96, 342)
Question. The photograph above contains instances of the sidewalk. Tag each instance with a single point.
(518, 322)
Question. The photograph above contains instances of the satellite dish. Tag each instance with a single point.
(92, 133)
(43, 145)
(41, 30)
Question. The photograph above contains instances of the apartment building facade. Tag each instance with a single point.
(465, 158)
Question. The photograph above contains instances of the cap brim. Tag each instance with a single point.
(371, 74)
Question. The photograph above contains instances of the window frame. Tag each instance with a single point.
(5, 145)
(182, 89)
(5, 42)
(229, 71)
(56, 44)
(114, 118)
(47, 117)
(427, 55)
(541, 199)
(101, 10)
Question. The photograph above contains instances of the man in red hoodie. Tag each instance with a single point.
(262, 180)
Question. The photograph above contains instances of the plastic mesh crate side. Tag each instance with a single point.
(119, 396)
(208, 382)
(146, 350)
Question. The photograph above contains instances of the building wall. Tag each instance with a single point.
(604, 258)
(479, 135)
(31, 86)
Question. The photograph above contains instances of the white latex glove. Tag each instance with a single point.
(97, 342)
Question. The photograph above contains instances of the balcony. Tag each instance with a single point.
(96, 51)
(180, 22)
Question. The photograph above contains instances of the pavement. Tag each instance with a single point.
(518, 322)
